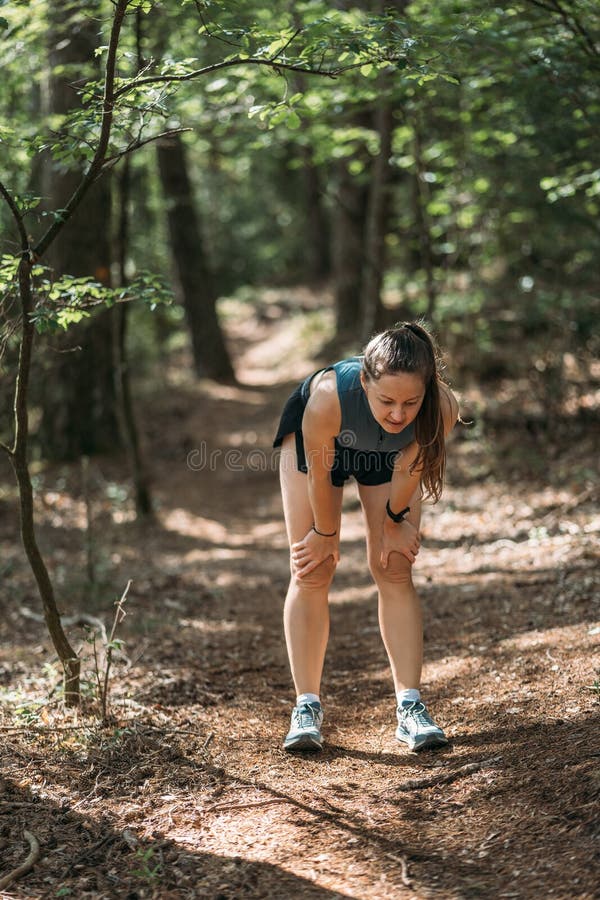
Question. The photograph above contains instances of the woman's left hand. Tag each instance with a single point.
(401, 538)
(312, 550)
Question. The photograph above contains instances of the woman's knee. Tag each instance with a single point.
(397, 571)
(320, 577)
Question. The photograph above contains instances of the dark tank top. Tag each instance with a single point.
(359, 429)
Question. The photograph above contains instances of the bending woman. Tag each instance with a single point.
(381, 418)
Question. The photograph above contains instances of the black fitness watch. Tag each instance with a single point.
(396, 517)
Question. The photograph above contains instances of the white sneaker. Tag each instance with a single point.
(416, 727)
(305, 728)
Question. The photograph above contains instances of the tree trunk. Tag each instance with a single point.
(77, 389)
(420, 199)
(348, 250)
(317, 243)
(128, 423)
(18, 457)
(195, 281)
(377, 223)
(79, 414)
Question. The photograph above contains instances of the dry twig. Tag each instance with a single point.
(119, 616)
(43, 729)
(89, 851)
(415, 784)
(19, 803)
(404, 867)
(219, 806)
(34, 855)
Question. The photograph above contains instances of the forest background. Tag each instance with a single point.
(200, 201)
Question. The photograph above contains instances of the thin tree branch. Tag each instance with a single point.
(251, 61)
(286, 45)
(573, 24)
(17, 216)
(541, 5)
(138, 144)
(213, 34)
(107, 118)
(583, 33)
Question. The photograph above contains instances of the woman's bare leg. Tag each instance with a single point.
(400, 617)
(306, 611)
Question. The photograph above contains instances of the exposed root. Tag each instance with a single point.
(34, 855)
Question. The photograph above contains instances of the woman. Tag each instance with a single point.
(383, 419)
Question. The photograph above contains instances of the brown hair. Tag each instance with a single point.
(409, 347)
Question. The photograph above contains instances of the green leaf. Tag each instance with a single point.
(277, 45)
(115, 644)
(279, 116)
(66, 317)
(293, 121)
(255, 110)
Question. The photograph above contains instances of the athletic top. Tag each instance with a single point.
(359, 429)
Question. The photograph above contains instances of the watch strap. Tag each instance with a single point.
(396, 517)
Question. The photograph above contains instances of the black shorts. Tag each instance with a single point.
(369, 467)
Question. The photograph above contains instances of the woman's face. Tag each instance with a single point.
(395, 400)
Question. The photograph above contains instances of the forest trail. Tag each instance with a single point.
(189, 794)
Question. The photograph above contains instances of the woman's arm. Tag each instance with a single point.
(401, 536)
(321, 422)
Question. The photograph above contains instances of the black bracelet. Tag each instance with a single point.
(322, 533)
(396, 517)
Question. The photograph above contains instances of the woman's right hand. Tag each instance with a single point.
(312, 550)
(401, 538)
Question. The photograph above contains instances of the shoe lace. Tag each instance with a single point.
(305, 716)
(418, 712)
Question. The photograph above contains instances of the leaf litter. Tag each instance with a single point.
(185, 790)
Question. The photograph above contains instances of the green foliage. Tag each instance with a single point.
(149, 869)
(496, 117)
(65, 301)
(29, 714)
(595, 686)
(8, 272)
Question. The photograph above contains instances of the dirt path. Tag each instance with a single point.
(188, 793)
